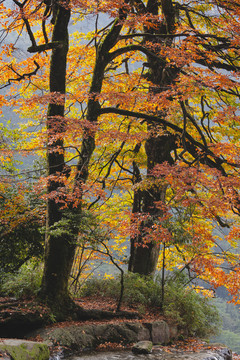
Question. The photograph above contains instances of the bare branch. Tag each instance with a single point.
(21, 76)
(44, 47)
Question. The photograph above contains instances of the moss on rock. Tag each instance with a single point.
(25, 350)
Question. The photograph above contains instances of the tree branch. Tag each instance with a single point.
(21, 76)
(26, 22)
(44, 47)
(141, 48)
(192, 145)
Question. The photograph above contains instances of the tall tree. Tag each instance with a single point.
(144, 253)
(193, 65)
(171, 109)
(61, 229)
(61, 247)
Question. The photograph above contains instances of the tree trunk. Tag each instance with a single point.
(93, 108)
(60, 247)
(59, 251)
(144, 254)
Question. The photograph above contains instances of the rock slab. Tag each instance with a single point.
(23, 350)
(89, 337)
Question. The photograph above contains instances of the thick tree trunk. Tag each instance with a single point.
(144, 254)
(60, 248)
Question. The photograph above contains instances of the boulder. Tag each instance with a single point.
(142, 332)
(23, 350)
(142, 347)
(160, 332)
(225, 353)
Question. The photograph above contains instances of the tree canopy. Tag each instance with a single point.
(131, 108)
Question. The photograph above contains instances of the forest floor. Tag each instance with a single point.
(20, 316)
(10, 306)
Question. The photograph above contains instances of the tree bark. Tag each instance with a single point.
(158, 147)
(59, 251)
(144, 254)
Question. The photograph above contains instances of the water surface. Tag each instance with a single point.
(157, 354)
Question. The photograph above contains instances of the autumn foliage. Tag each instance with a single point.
(142, 132)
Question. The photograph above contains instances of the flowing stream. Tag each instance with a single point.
(157, 354)
(121, 355)
(117, 356)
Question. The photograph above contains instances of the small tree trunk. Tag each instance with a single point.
(163, 277)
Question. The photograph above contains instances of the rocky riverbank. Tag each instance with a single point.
(89, 337)
(82, 340)
(85, 339)
(12, 349)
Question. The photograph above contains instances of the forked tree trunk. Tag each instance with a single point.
(60, 248)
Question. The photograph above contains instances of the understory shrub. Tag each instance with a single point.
(192, 312)
(137, 289)
(23, 283)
